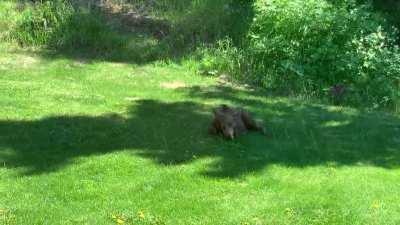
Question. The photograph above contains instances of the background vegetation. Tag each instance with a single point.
(293, 47)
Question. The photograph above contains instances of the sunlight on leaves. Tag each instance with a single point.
(334, 123)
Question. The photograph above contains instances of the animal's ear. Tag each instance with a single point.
(215, 111)
(224, 106)
(218, 113)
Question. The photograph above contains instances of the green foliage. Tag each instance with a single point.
(57, 24)
(201, 24)
(40, 23)
(307, 46)
(196, 23)
(296, 47)
(88, 30)
(223, 57)
(8, 17)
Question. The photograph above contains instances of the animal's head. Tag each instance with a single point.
(226, 120)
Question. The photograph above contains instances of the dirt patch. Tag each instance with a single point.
(135, 18)
(225, 80)
(20, 61)
(27, 61)
(173, 85)
(132, 99)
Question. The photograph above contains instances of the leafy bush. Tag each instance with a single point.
(306, 46)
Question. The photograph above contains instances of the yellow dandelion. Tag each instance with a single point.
(141, 214)
(289, 211)
(120, 221)
(375, 205)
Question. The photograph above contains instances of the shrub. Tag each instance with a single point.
(306, 46)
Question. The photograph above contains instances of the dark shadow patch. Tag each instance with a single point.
(176, 133)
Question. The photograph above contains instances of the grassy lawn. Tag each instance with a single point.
(86, 141)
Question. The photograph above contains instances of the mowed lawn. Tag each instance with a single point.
(86, 141)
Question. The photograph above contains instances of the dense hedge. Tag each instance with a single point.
(308, 46)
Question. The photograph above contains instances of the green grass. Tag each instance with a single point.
(96, 142)
(120, 137)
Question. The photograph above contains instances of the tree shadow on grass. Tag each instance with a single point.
(176, 133)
